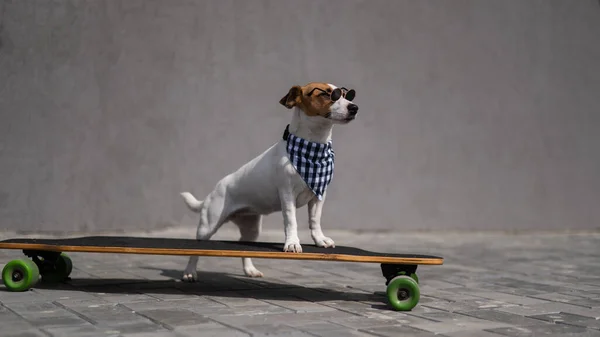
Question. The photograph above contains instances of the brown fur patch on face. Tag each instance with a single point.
(317, 104)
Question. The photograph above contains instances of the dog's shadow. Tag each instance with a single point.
(219, 284)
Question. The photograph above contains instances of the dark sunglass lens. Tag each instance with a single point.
(336, 94)
(350, 94)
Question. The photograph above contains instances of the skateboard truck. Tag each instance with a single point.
(53, 266)
(390, 271)
(41, 257)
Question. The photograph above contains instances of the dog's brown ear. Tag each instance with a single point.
(292, 98)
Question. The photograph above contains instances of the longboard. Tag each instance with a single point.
(48, 260)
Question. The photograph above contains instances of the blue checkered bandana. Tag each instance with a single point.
(313, 161)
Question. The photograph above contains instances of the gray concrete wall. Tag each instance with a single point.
(474, 114)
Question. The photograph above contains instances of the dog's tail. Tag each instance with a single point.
(193, 203)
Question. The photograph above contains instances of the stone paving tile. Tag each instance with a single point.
(556, 330)
(26, 333)
(56, 321)
(196, 305)
(317, 327)
(361, 322)
(570, 319)
(518, 292)
(552, 308)
(273, 328)
(556, 297)
(171, 318)
(454, 296)
(133, 327)
(7, 297)
(503, 317)
(448, 305)
(192, 331)
(509, 298)
(292, 320)
(491, 285)
(11, 320)
(46, 314)
(397, 330)
(84, 331)
(472, 333)
(586, 302)
(451, 322)
(301, 306)
(592, 294)
(152, 334)
(343, 333)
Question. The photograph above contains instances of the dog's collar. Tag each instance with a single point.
(286, 133)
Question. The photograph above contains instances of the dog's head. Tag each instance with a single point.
(323, 100)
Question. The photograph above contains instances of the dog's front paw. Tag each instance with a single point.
(292, 246)
(324, 242)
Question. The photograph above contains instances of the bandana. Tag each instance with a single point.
(313, 161)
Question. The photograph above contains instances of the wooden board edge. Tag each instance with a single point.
(225, 253)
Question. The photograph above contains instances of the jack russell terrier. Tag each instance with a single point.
(290, 174)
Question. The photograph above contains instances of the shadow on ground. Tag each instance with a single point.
(216, 284)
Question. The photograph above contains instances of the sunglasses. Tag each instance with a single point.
(336, 94)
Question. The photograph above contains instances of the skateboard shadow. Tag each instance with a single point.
(220, 284)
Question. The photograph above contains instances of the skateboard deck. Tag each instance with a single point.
(49, 261)
(162, 246)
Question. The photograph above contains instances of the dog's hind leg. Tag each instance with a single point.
(212, 216)
(250, 226)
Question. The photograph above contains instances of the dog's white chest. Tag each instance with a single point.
(259, 185)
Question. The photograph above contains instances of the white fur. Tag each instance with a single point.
(266, 184)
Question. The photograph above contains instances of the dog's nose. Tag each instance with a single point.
(352, 109)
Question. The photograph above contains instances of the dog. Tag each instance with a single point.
(292, 173)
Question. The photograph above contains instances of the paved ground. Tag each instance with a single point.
(491, 285)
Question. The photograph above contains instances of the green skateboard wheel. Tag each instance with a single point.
(69, 264)
(20, 275)
(403, 293)
(60, 270)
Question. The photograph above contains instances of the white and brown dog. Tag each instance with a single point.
(290, 174)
